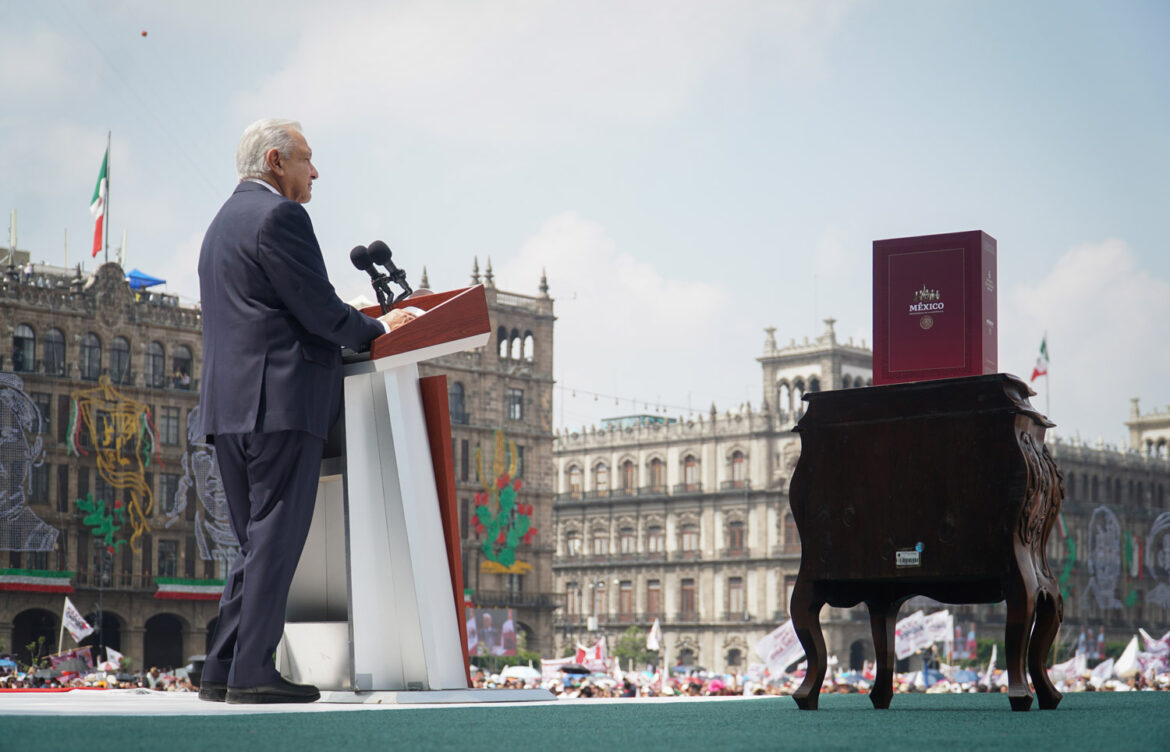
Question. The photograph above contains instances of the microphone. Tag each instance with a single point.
(379, 253)
(360, 258)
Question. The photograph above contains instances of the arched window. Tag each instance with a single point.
(91, 357)
(734, 658)
(502, 342)
(814, 384)
(690, 473)
(572, 599)
(600, 543)
(688, 536)
(155, 369)
(573, 543)
(791, 536)
(784, 397)
(601, 478)
(627, 541)
(798, 397)
(24, 348)
(529, 346)
(846, 381)
(575, 481)
(655, 539)
(629, 476)
(516, 344)
(120, 360)
(736, 534)
(183, 365)
(657, 472)
(457, 404)
(53, 352)
(738, 469)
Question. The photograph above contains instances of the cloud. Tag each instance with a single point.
(622, 327)
(1106, 324)
(531, 71)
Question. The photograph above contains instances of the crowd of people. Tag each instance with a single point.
(947, 680)
(178, 680)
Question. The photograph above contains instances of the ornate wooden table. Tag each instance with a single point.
(938, 488)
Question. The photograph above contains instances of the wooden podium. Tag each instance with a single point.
(375, 609)
(938, 488)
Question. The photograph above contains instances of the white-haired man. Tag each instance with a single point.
(271, 389)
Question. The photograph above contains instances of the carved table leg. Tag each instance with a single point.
(883, 616)
(1021, 612)
(1048, 618)
(806, 619)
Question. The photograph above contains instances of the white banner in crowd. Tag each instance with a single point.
(780, 648)
(940, 626)
(654, 639)
(75, 622)
(113, 656)
(1102, 673)
(910, 635)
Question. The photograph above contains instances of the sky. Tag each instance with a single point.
(687, 173)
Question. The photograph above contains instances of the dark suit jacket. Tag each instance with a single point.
(272, 323)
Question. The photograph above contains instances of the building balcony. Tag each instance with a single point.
(692, 555)
(686, 617)
(517, 599)
(115, 581)
(598, 494)
(736, 617)
(460, 418)
(653, 490)
(681, 489)
(729, 485)
(742, 552)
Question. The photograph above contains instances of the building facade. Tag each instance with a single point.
(500, 399)
(106, 500)
(689, 522)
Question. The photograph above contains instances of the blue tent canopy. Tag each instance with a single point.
(139, 281)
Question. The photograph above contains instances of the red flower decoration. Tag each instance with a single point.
(502, 537)
(518, 484)
(110, 549)
(502, 481)
(117, 504)
(480, 498)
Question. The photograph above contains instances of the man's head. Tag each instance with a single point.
(276, 152)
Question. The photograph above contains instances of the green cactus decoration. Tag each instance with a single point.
(500, 520)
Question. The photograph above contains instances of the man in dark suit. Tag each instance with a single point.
(271, 389)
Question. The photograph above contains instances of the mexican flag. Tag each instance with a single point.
(1041, 368)
(36, 581)
(97, 206)
(182, 589)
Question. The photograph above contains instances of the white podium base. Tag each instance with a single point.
(438, 696)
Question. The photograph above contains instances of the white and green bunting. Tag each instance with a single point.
(177, 588)
(36, 581)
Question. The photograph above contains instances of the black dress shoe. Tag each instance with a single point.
(212, 691)
(279, 691)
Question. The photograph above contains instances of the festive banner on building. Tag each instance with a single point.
(21, 452)
(1157, 560)
(120, 432)
(1104, 558)
(36, 581)
(181, 589)
(213, 525)
(500, 520)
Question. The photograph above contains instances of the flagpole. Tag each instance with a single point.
(1047, 383)
(106, 208)
(61, 637)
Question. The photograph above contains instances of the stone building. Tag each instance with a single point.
(100, 500)
(688, 522)
(500, 396)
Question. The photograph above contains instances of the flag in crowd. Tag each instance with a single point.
(654, 638)
(780, 648)
(73, 621)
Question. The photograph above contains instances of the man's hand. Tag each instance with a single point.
(397, 318)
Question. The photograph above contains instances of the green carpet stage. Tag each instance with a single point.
(1089, 721)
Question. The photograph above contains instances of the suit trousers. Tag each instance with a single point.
(270, 480)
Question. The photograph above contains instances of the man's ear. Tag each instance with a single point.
(272, 158)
